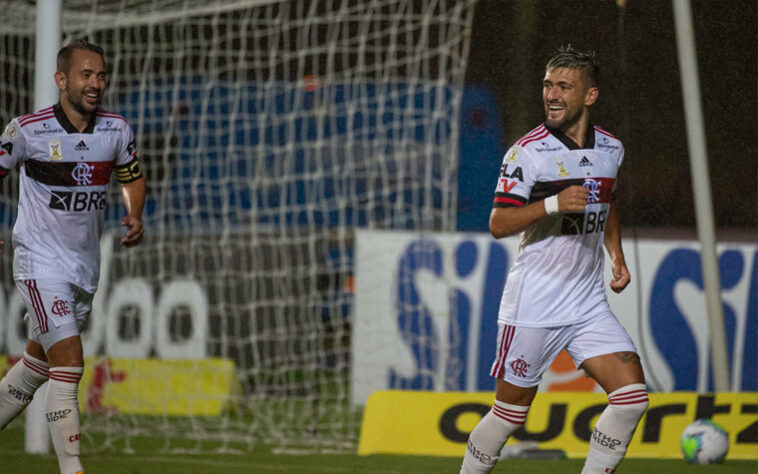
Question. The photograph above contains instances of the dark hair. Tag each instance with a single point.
(65, 53)
(567, 57)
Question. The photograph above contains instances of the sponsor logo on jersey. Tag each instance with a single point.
(513, 173)
(81, 146)
(7, 146)
(108, 127)
(46, 129)
(77, 201)
(546, 148)
(585, 162)
(53, 416)
(561, 167)
(605, 143)
(82, 174)
(55, 150)
(74, 437)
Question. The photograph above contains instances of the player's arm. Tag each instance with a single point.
(505, 221)
(612, 242)
(12, 147)
(133, 193)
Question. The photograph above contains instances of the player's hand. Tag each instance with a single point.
(621, 276)
(134, 234)
(573, 199)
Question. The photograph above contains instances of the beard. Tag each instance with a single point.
(570, 117)
(76, 99)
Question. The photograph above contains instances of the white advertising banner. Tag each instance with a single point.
(425, 313)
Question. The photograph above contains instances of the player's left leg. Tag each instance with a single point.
(22, 380)
(620, 374)
(59, 311)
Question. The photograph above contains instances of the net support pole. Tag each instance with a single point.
(701, 187)
(47, 43)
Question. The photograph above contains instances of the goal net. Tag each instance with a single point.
(268, 132)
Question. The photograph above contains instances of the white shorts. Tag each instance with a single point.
(55, 309)
(525, 353)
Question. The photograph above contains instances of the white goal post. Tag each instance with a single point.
(268, 132)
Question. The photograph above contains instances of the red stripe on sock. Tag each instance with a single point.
(35, 367)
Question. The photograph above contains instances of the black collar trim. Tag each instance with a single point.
(66, 123)
(589, 139)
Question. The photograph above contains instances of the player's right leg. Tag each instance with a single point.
(523, 354)
(22, 380)
(57, 309)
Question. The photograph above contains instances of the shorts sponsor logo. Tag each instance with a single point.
(53, 416)
(18, 394)
(74, 438)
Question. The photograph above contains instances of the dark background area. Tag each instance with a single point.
(640, 94)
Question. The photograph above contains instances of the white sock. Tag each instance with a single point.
(489, 436)
(62, 413)
(18, 386)
(614, 428)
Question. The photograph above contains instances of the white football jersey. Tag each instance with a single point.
(557, 278)
(62, 190)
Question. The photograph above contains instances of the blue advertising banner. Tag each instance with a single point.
(425, 316)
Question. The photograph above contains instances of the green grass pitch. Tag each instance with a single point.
(263, 460)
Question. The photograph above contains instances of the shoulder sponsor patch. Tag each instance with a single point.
(11, 132)
(514, 155)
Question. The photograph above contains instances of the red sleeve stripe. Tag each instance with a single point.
(537, 131)
(604, 132)
(508, 201)
(35, 118)
(44, 111)
(542, 135)
(102, 113)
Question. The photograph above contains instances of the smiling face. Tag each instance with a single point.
(566, 97)
(83, 85)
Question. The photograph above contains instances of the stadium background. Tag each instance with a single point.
(510, 42)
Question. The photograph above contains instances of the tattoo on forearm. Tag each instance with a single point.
(627, 356)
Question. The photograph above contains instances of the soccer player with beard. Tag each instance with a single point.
(557, 187)
(67, 154)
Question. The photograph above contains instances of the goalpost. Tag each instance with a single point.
(269, 130)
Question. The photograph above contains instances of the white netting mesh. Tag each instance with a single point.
(268, 131)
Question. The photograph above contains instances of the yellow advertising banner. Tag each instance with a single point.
(173, 387)
(438, 423)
